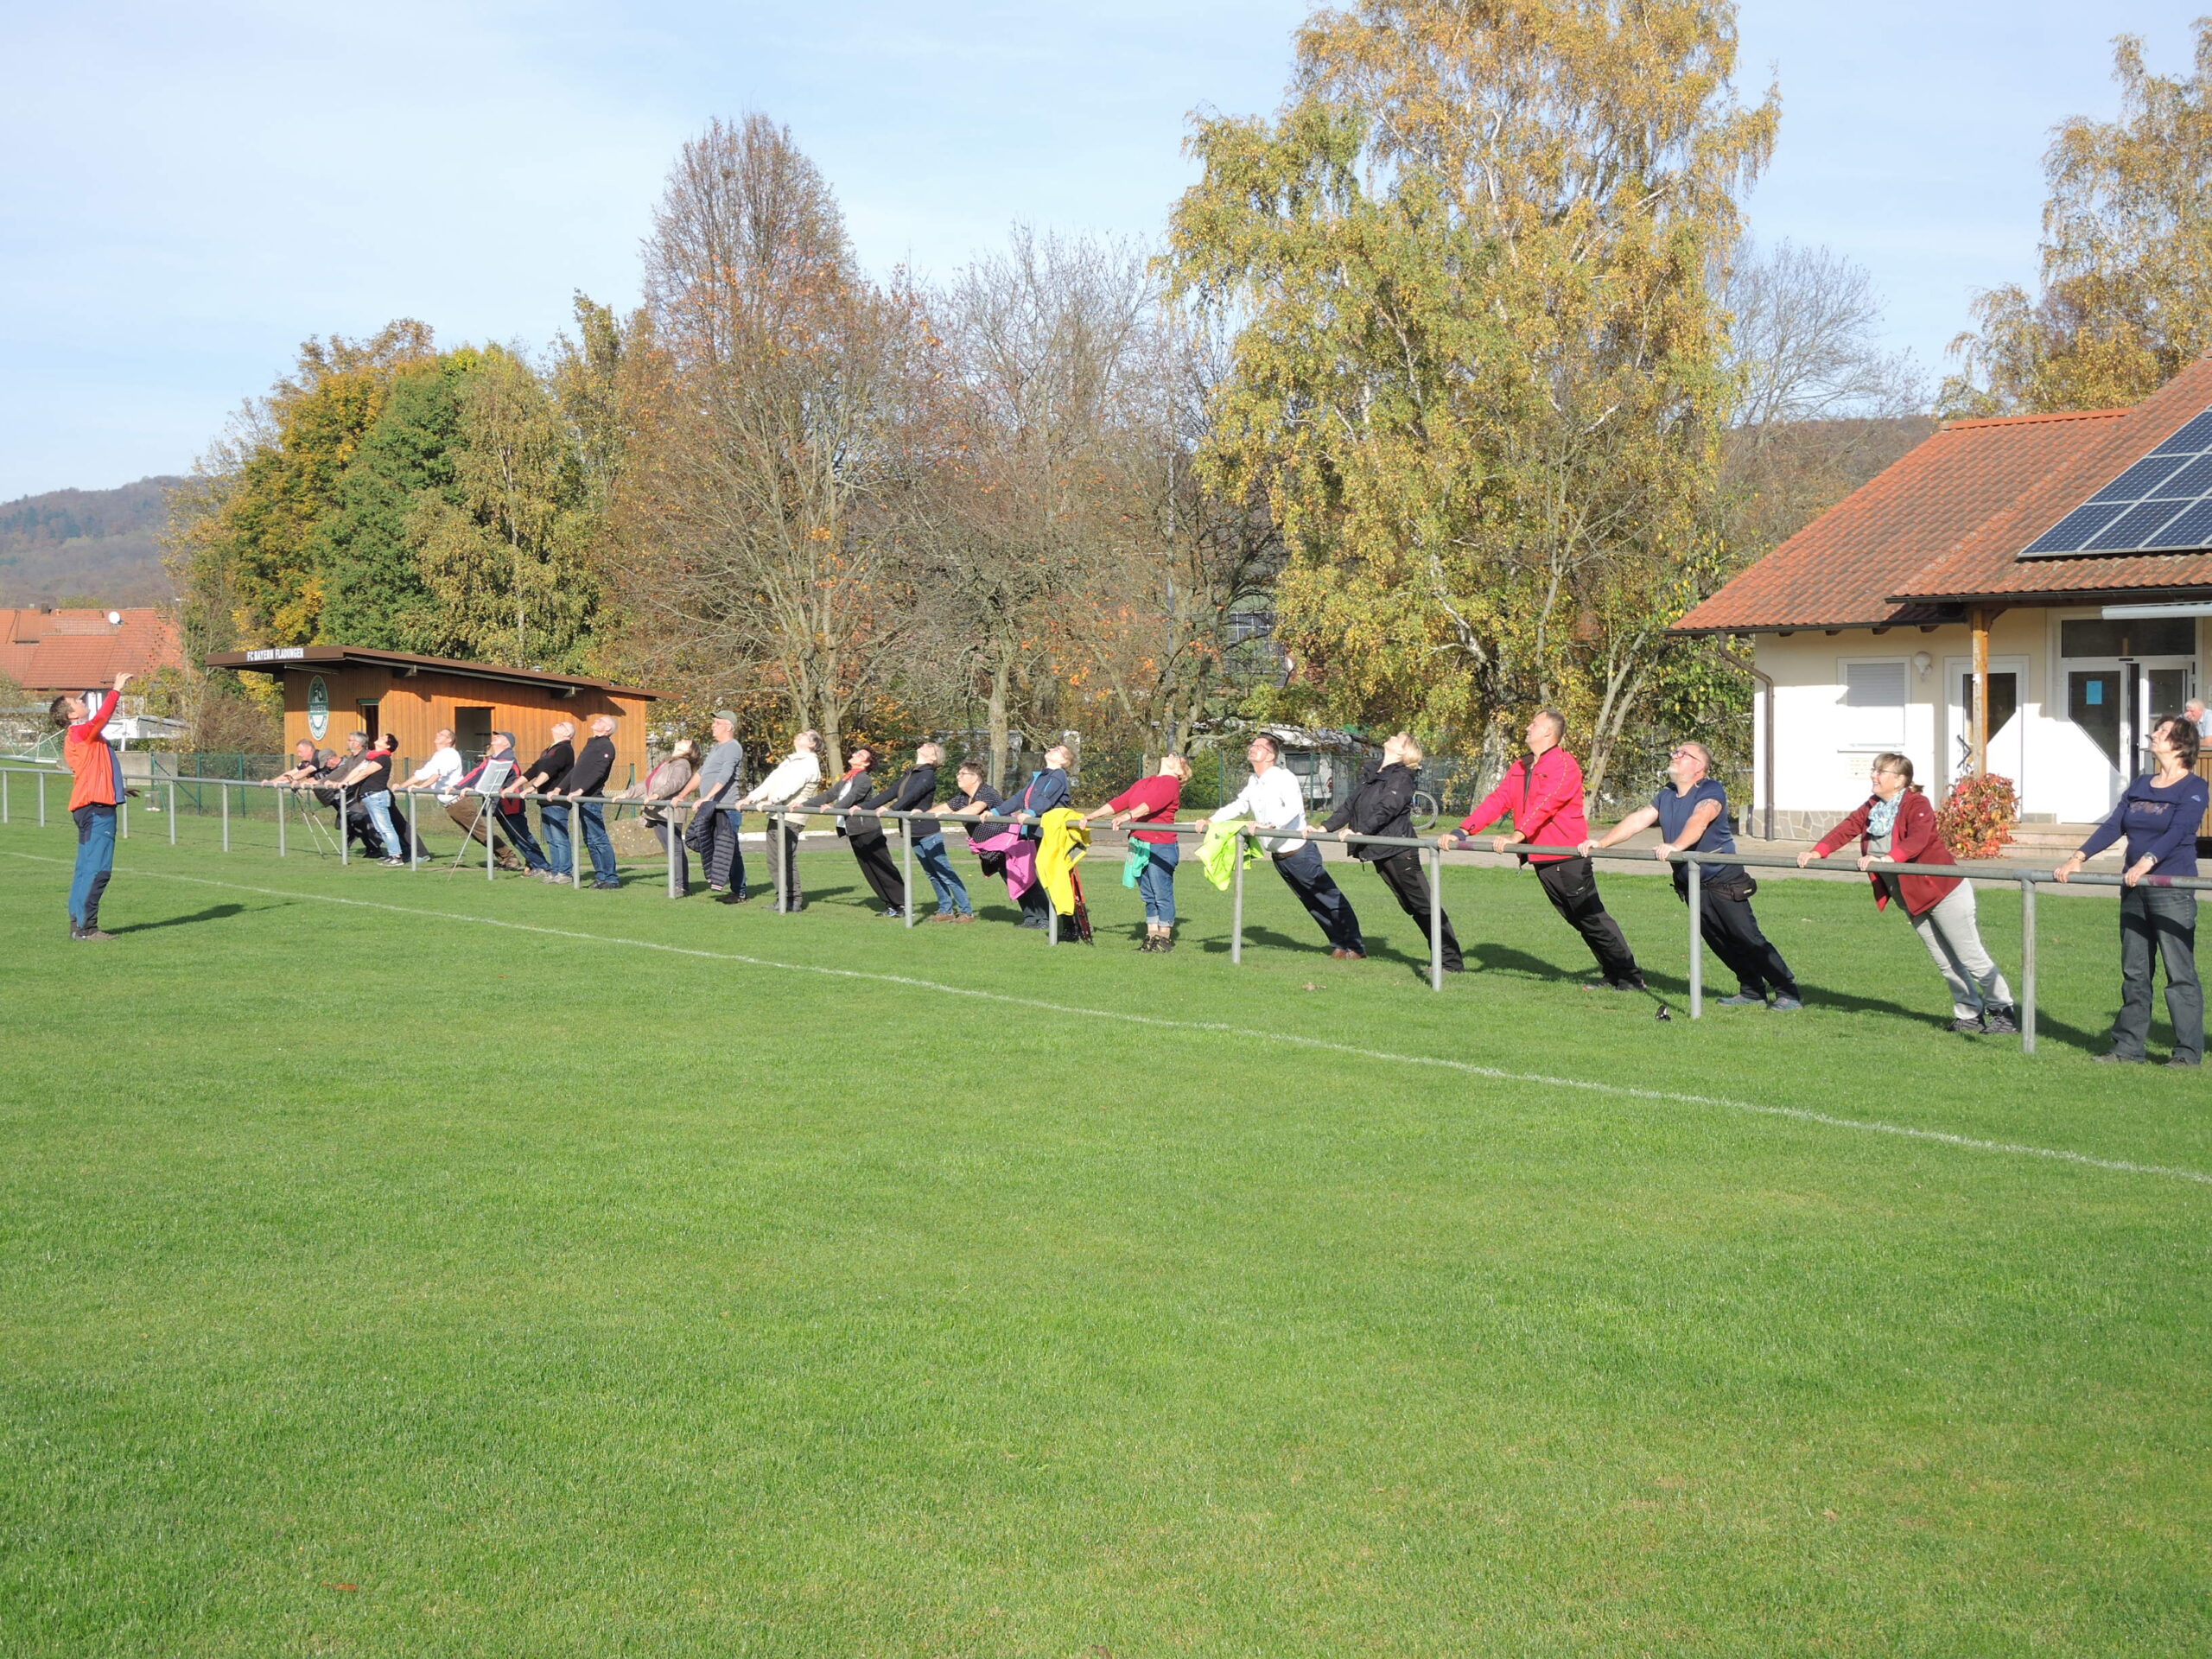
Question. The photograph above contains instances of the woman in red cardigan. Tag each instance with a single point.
(1896, 825)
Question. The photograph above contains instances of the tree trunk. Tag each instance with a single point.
(1000, 676)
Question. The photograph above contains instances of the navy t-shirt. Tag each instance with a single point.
(1674, 811)
(2159, 825)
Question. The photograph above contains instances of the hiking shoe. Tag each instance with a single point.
(2000, 1022)
(1966, 1028)
(1148, 943)
(1783, 1004)
(1741, 1000)
(91, 935)
(1166, 945)
(2182, 1061)
(965, 916)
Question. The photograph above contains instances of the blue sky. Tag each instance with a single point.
(188, 192)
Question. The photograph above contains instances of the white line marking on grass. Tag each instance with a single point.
(1621, 1091)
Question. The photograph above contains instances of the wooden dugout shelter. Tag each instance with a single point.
(330, 690)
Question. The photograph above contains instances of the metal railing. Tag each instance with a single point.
(783, 835)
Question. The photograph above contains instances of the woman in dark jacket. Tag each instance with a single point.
(2160, 815)
(1897, 825)
(1382, 804)
(865, 835)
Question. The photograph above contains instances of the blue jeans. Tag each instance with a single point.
(598, 841)
(1156, 883)
(553, 825)
(952, 891)
(378, 806)
(515, 826)
(95, 862)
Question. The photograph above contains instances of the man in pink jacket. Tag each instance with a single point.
(1544, 795)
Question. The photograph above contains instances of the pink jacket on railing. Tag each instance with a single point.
(1913, 840)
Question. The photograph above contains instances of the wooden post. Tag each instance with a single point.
(1981, 617)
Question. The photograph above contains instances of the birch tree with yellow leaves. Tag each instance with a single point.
(1481, 371)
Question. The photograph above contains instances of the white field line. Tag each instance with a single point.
(1618, 1090)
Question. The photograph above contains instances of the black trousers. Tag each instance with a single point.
(720, 850)
(1724, 903)
(873, 854)
(1304, 874)
(1408, 883)
(1571, 885)
(2160, 923)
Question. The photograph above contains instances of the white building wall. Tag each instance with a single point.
(1823, 745)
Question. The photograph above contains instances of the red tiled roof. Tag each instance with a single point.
(49, 651)
(1841, 570)
(1986, 565)
(1946, 524)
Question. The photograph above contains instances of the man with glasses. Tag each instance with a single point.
(1693, 816)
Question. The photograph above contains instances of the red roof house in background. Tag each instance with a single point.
(2052, 570)
(49, 651)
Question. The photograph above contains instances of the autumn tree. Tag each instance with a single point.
(1482, 372)
(503, 549)
(2127, 279)
(763, 449)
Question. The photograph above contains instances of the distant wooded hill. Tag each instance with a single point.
(96, 547)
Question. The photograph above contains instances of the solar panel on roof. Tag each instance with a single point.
(2162, 504)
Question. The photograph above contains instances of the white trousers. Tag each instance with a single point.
(1953, 940)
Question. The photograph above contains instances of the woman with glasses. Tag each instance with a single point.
(1896, 825)
(2160, 815)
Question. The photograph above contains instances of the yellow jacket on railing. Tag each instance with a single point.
(1062, 839)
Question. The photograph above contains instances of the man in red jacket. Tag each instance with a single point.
(94, 793)
(1544, 795)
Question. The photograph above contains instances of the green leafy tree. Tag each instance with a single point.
(503, 549)
(1482, 373)
(374, 590)
(2126, 299)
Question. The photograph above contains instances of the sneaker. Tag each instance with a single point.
(2182, 1060)
(895, 915)
(1166, 945)
(394, 864)
(1966, 1028)
(717, 891)
(606, 886)
(2112, 1056)
(1786, 1004)
(1149, 944)
(2000, 1022)
(1741, 1000)
(91, 935)
(965, 916)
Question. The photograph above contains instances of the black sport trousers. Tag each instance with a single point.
(1725, 917)
(1408, 883)
(1571, 885)
(1304, 874)
(873, 854)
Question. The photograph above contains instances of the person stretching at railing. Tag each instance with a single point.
(793, 776)
(1153, 802)
(1896, 825)
(95, 790)
(1047, 788)
(1544, 795)
(1692, 813)
(1273, 800)
(2160, 815)
(1382, 804)
(850, 791)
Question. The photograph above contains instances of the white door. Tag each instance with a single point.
(2008, 718)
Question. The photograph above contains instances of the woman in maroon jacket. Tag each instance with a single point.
(1896, 825)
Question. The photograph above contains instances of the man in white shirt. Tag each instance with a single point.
(2193, 712)
(794, 776)
(442, 771)
(1273, 800)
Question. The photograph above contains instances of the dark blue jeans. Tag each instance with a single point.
(952, 891)
(1304, 873)
(515, 826)
(553, 825)
(600, 844)
(95, 862)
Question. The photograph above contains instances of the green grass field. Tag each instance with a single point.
(454, 1274)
